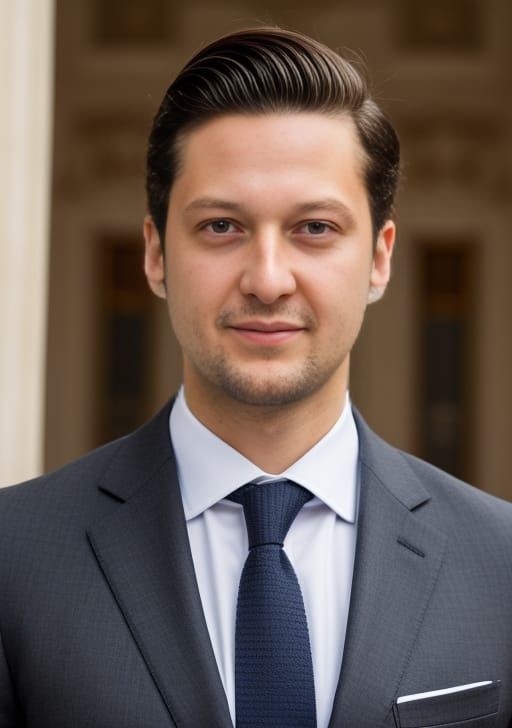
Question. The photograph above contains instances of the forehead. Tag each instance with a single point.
(282, 132)
(270, 156)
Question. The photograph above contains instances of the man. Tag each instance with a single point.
(255, 554)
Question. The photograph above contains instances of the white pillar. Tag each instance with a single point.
(26, 93)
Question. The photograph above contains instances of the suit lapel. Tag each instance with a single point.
(143, 550)
(398, 557)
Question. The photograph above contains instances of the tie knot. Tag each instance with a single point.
(270, 509)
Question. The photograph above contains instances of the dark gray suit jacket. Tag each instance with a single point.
(101, 622)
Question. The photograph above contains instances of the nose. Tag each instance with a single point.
(267, 272)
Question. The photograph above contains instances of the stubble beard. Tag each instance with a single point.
(274, 389)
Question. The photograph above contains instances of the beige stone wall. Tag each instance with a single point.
(442, 70)
(26, 79)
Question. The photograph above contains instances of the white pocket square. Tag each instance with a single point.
(445, 691)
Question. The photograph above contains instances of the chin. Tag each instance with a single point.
(276, 392)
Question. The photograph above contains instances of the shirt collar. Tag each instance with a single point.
(209, 469)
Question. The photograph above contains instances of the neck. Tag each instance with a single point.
(273, 438)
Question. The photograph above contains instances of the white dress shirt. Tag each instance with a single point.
(320, 543)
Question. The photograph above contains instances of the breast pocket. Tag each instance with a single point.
(473, 708)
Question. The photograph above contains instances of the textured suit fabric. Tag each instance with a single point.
(101, 621)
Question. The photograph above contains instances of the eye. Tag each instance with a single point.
(220, 227)
(315, 227)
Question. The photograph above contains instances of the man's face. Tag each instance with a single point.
(269, 258)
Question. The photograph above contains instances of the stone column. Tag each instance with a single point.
(26, 92)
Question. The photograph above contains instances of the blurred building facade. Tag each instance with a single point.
(431, 371)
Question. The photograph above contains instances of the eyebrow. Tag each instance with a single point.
(207, 203)
(329, 204)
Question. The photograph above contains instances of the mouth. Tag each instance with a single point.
(267, 333)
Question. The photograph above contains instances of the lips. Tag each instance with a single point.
(267, 326)
(267, 333)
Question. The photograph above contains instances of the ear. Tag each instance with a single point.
(381, 264)
(154, 266)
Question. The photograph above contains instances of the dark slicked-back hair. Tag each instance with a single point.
(261, 71)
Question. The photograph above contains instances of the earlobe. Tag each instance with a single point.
(154, 265)
(381, 264)
(375, 294)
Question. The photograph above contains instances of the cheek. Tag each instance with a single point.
(339, 289)
(197, 289)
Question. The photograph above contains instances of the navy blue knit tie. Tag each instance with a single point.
(274, 685)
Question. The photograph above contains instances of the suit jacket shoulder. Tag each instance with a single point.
(463, 502)
(119, 467)
(450, 501)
